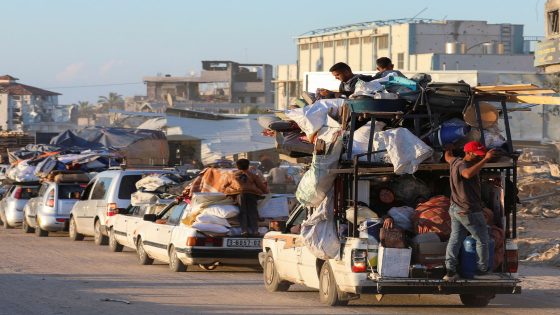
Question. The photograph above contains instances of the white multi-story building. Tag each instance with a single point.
(22, 105)
(414, 45)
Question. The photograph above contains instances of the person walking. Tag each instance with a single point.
(466, 207)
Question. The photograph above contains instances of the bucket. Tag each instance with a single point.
(488, 114)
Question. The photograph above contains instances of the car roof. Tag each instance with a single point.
(113, 173)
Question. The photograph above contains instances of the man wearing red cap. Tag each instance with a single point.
(466, 207)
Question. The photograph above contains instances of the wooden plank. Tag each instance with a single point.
(532, 92)
(512, 87)
(534, 99)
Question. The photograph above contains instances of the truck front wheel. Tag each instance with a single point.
(328, 290)
(473, 300)
(272, 281)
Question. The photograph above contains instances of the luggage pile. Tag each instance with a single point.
(156, 189)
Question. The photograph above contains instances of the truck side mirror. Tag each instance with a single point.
(150, 217)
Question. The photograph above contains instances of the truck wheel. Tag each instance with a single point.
(272, 281)
(143, 258)
(98, 237)
(73, 231)
(25, 227)
(328, 290)
(114, 245)
(472, 300)
(175, 264)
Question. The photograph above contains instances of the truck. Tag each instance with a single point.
(286, 260)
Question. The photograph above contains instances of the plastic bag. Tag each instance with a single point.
(319, 232)
(222, 211)
(209, 218)
(273, 207)
(405, 150)
(402, 217)
(367, 88)
(153, 182)
(210, 227)
(312, 118)
(361, 142)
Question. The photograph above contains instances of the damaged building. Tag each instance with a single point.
(223, 86)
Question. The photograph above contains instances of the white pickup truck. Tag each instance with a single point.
(164, 237)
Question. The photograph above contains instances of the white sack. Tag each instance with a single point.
(222, 211)
(361, 142)
(153, 182)
(142, 198)
(319, 232)
(402, 217)
(312, 117)
(367, 88)
(203, 200)
(209, 218)
(405, 150)
(364, 213)
(273, 207)
(22, 172)
(210, 228)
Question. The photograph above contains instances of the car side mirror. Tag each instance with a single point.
(277, 225)
(152, 217)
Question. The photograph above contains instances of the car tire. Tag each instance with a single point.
(98, 237)
(175, 264)
(25, 226)
(208, 267)
(473, 300)
(113, 243)
(272, 281)
(143, 258)
(328, 290)
(73, 231)
(40, 232)
(6, 225)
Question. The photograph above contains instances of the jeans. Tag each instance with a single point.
(248, 213)
(461, 225)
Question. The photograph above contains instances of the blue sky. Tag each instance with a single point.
(57, 44)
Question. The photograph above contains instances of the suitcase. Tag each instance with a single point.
(448, 97)
(393, 238)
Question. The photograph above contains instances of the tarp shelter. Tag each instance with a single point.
(219, 137)
(138, 146)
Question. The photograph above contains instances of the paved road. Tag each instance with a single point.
(57, 276)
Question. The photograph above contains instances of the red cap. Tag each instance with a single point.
(475, 147)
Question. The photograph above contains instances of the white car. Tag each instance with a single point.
(167, 239)
(105, 195)
(125, 225)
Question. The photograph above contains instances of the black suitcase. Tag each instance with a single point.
(448, 97)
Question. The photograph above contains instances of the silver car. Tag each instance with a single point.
(11, 206)
(50, 210)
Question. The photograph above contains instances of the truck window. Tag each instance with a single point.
(69, 191)
(128, 186)
(101, 188)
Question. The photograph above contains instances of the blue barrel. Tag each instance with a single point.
(468, 257)
(448, 134)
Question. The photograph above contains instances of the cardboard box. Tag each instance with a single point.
(429, 253)
(394, 262)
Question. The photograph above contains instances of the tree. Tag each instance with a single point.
(113, 100)
(84, 108)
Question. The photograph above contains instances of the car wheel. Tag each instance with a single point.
(473, 300)
(73, 231)
(6, 225)
(272, 281)
(113, 243)
(175, 264)
(25, 227)
(40, 232)
(143, 258)
(208, 267)
(98, 237)
(328, 290)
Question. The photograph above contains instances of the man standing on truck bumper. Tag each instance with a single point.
(466, 207)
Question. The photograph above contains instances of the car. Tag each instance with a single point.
(11, 206)
(50, 210)
(125, 225)
(105, 195)
(166, 238)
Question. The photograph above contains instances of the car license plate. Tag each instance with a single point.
(243, 242)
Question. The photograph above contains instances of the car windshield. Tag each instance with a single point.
(70, 191)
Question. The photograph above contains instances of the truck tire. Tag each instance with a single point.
(98, 237)
(328, 290)
(272, 281)
(73, 231)
(143, 258)
(25, 227)
(472, 300)
(114, 245)
(175, 264)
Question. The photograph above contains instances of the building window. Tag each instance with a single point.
(328, 44)
(340, 42)
(366, 40)
(304, 46)
(383, 42)
(553, 22)
(316, 45)
(400, 61)
(253, 99)
(354, 41)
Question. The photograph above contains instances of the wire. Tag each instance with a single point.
(93, 85)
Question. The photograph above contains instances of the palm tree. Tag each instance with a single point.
(111, 101)
(84, 108)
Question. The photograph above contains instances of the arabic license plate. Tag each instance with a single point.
(243, 242)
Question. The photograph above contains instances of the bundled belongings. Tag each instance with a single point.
(448, 97)
(433, 216)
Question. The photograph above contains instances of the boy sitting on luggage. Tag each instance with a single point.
(248, 188)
